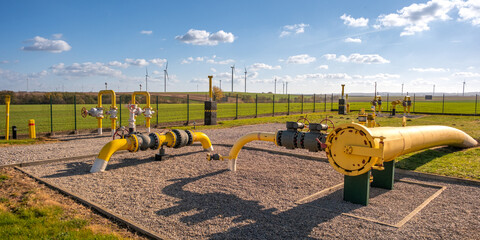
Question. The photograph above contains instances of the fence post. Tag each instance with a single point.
(157, 110)
(236, 108)
(75, 111)
(51, 115)
(476, 104)
(188, 108)
(314, 102)
(288, 104)
(414, 103)
(387, 102)
(273, 110)
(331, 103)
(325, 104)
(120, 109)
(443, 103)
(256, 105)
(302, 103)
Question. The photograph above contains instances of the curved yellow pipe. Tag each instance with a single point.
(353, 149)
(113, 106)
(204, 140)
(110, 148)
(253, 136)
(147, 95)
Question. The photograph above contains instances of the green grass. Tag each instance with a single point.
(18, 142)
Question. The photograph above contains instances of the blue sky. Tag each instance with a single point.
(313, 45)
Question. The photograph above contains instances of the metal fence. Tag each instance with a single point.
(187, 109)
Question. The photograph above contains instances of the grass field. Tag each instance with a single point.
(63, 115)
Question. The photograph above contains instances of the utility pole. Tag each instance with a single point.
(146, 79)
(283, 87)
(233, 68)
(275, 89)
(140, 87)
(106, 86)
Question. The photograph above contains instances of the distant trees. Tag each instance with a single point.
(217, 93)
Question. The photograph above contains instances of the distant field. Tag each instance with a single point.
(64, 114)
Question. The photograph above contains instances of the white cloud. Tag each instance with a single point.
(466, 74)
(428, 69)
(322, 67)
(86, 69)
(117, 64)
(213, 70)
(416, 17)
(322, 76)
(155, 72)
(296, 28)
(38, 74)
(258, 66)
(353, 40)
(199, 80)
(57, 35)
(469, 11)
(358, 58)
(136, 62)
(212, 60)
(380, 76)
(202, 37)
(359, 22)
(146, 32)
(301, 59)
(223, 62)
(158, 61)
(43, 44)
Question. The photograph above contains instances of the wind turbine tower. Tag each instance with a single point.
(146, 79)
(275, 88)
(165, 76)
(463, 87)
(233, 69)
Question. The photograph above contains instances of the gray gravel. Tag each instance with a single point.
(187, 197)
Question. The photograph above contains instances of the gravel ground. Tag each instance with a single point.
(187, 197)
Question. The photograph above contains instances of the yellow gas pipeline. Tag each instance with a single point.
(112, 112)
(353, 149)
(147, 110)
(137, 141)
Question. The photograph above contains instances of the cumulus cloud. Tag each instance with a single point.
(117, 64)
(43, 44)
(469, 11)
(296, 28)
(358, 22)
(57, 35)
(357, 58)
(428, 69)
(417, 17)
(202, 37)
(136, 62)
(322, 76)
(213, 60)
(322, 67)
(353, 40)
(258, 66)
(379, 76)
(86, 69)
(158, 61)
(301, 59)
(146, 32)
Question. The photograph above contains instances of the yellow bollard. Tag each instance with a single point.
(31, 129)
(7, 116)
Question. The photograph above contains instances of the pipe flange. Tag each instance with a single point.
(181, 138)
(134, 140)
(190, 137)
(278, 138)
(156, 141)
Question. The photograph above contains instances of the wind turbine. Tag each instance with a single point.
(245, 80)
(146, 79)
(165, 77)
(233, 68)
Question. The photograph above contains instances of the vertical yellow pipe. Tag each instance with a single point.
(113, 106)
(210, 87)
(31, 129)
(147, 95)
(7, 116)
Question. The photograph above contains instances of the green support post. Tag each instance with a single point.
(302, 103)
(51, 115)
(356, 189)
(288, 105)
(314, 102)
(273, 103)
(157, 110)
(75, 111)
(256, 105)
(384, 178)
(236, 108)
(325, 106)
(188, 109)
(120, 109)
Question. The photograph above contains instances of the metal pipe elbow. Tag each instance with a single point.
(107, 151)
(204, 140)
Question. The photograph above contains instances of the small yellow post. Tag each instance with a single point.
(343, 88)
(7, 117)
(210, 92)
(31, 129)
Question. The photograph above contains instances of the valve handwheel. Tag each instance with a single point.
(120, 132)
(328, 122)
(305, 122)
(84, 112)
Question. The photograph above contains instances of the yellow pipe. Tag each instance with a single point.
(31, 129)
(210, 93)
(203, 139)
(353, 149)
(113, 106)
(253, 136)
(7, 117)
(147, 95)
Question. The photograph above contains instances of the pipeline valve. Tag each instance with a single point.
(215, 156)
(292, 138)
(95, 112)
(148, 112)
(112, 113)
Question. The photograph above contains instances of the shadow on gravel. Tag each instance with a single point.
(83, 168)
(295, 223)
